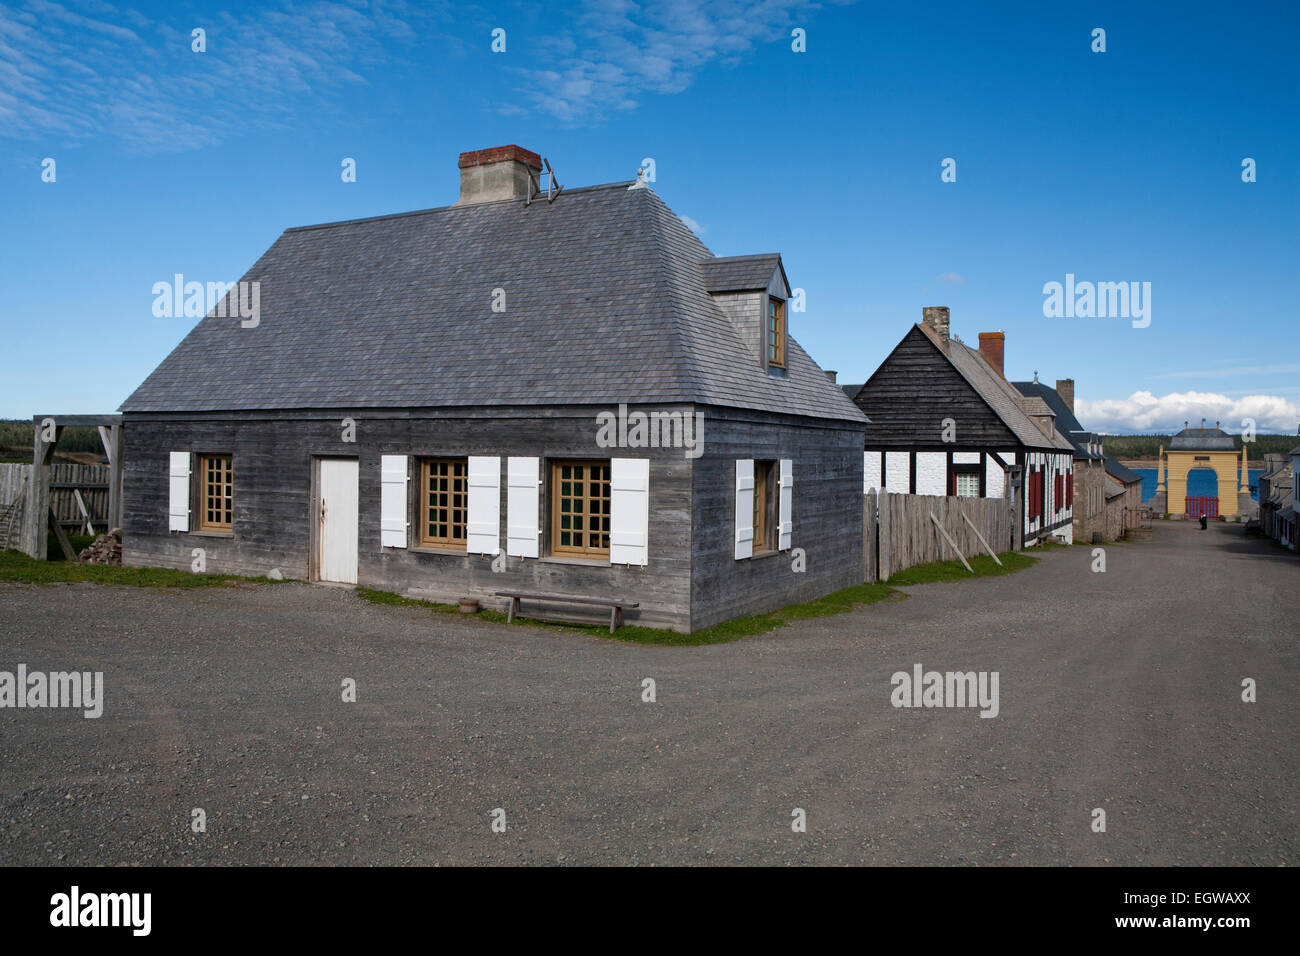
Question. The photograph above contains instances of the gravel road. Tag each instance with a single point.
(1118, 690)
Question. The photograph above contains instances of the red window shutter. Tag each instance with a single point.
(1069, 489)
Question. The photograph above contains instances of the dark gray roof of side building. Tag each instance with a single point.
(1066, 423)
(605, 303)
(1120, 471)
(852, 390)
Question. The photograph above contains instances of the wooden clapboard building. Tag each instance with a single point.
(944, 421)
(562, 392)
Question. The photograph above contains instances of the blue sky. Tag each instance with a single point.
(1117, 166)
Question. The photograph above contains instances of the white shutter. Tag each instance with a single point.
(483, 531)
(629, 511)
(786, 500)
(178, 503)
(744, 508)
(522, 528)
(392, 501)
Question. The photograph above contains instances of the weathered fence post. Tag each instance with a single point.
(883, 565)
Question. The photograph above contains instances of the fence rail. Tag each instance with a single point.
(901, 531)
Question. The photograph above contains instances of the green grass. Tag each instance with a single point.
(981, 564)
(846, 600)
(18, 567)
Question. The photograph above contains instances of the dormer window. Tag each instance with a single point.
(775, 332)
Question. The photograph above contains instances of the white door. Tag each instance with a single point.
(336, 514)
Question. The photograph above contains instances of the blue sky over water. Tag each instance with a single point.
(1122, 166)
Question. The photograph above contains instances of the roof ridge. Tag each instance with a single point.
(450, 206)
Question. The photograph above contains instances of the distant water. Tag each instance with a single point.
(1200, 481)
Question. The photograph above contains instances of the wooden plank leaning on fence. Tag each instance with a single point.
(992, 553)
(951, 543)
(64, 543)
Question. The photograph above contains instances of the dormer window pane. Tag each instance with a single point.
(775, 332)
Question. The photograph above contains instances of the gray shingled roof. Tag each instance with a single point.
(1121, 471)
(1066, 423)
(997, 393)
(604, 304)
(740, 273)
(1202, 439)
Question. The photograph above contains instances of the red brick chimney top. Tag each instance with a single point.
(991, 347)
(497, 154)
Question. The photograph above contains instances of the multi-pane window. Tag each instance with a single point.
(967, 484)
(775, 332)
(580, 508)
(216, 493)
(443, 507)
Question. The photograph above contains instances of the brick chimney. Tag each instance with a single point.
(1065, 388)
(991, 346)
(490, 175)
(935, 318)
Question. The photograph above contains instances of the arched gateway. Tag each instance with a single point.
(1202, 447)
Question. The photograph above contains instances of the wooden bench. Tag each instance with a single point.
(615, 607)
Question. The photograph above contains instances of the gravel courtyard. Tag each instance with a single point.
(1119, 690)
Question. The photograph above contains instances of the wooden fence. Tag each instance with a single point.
(900, 531)
(78, 495)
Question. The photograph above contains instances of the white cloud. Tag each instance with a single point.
(629, 49)
(694, 226)
(68, 76)
(1145, 412)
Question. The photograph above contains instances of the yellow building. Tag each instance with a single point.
(1194, 448)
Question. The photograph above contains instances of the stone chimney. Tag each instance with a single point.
(1065, 388)
(991, 345)
(935, 318)
(831, 374)
(490, 175)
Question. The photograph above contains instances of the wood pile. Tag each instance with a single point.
(105, 549)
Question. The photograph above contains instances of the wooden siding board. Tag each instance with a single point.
(827, 518)
(914, 390)
(273, 483)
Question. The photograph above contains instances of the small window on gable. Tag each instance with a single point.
(216, 493)
(775, 332)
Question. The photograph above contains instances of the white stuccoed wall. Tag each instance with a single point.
(870, 471)
(932, 472)
(897, 476)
